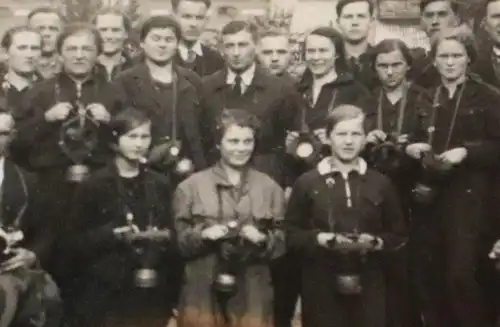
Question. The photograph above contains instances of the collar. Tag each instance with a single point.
(2, 169)
(18, 82)
(141, 73)
(184, 50)
(307, 79)
(325, 167)
(246, 77)
(330, 77)
(220, 176)
(64, 78)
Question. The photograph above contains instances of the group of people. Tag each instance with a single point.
(213, 188)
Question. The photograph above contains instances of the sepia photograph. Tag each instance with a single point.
(249, 163)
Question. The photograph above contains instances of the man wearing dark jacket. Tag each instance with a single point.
(192, 54)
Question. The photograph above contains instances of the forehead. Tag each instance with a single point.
(437, 6)
(493, 8)
(143, 128)
(235, 131)
(450, 46)
(315, 40)
(80, 38)
(393, 56)
(45, 18)
(350, 125)
(242, 35)
(194, 7)
(357, 7)
(109, 19)
(274, 42)
(24, 37)
(161, 32)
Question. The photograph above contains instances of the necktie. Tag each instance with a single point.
(237, 86)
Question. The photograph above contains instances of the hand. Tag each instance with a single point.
(376, 136)
(321, 135)
(153, 234)
(99, 112)
(403, 138)
(22, 258)
(60, 111)
(416, 150)
(454, 156)
(367, 238)
(252, 234)
(495, 251)
(214, 232)
(291, 136)
(126, 232)
(325, 238)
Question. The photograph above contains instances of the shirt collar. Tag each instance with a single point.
(325, 167)
(184, 50)
(330, 77)
(246, 77)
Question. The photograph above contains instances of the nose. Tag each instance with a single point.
(435, 20)
(389, 71)
(450, 61)
(79, 53)
(274, 57)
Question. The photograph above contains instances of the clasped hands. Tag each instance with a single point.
(451, 157)
(21, 258)
(132, 233)
(325, 240)
(61, 111)
(248, 232)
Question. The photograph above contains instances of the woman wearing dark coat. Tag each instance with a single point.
(336, 204)
(122, 238)
(461, 131)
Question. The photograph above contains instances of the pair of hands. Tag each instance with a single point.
(23, 258)
(324, 238)
(132, 233)
(61, 110)
(453, 157)
(248, 232)
(320, 133)
(378, 136)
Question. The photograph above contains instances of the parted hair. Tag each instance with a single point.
(78, 28)
(237, 26)
(160, 21)
(454, 5)
(125, 121)
(9, 35)
(388, 46)
(342, 3)
(342, 113)
(238, 117)
(332, 34)
(127, 23)
(46, 10)
(460, 34)
(175, 3)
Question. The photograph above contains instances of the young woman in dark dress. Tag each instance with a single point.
(122, 235)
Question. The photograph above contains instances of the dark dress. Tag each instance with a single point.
(318, 204)
(447, 234)
(103, 265)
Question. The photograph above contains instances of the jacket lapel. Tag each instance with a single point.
(13, 193)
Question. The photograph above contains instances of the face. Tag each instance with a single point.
(160, 45)
(347, 139)
(451, 59)
(6, 132)
(113, 32)
(24, 52)
(237, 146)
(135, 144)
(492, 21)
(50, 26)
(79, 53)
(192, 15)
(437, 16)
(320, 55)
(355, 21)
(391, 68)
(274, 54)
(239, 50)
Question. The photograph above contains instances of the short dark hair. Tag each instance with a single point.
(461, 35)
(237, 26)
(342, 113)
(175, 3)
(273, 32)
(342, 3)
(46, 10)
(388, 46)
(161, 21)
(239, 117)
(125, 121)
(333, 35)
(453, 4)
(8, 36)
(127, 23)
(78, 28)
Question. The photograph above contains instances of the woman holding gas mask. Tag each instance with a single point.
(227, 219)
(343, 219)
(122, 236)
(458, 145)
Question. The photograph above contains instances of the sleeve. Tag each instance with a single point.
(300, 236)
(393, 222)
(188, 228)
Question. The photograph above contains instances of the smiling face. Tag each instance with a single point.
(347, 139)
(237, 145)
(160, 45)
(320, 55)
